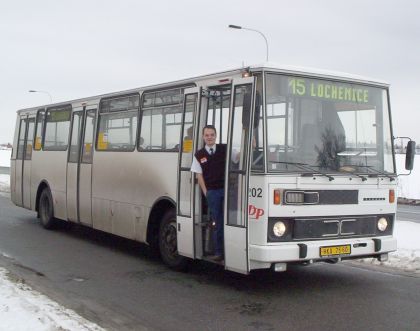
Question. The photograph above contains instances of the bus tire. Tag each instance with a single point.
(46, 210)
(168, 242)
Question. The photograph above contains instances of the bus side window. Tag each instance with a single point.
(118, 117)
(57, 129)
(38, 129)
(161, 120)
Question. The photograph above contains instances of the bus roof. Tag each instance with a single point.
(289, 69)
(266, 67)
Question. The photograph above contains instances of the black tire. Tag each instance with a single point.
(46, 210)
(168, 242)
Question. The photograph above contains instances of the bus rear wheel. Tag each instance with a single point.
(46, 210)
(168, 242)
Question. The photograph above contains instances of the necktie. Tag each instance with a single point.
(211, 151)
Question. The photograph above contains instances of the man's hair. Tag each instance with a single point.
(209, 126)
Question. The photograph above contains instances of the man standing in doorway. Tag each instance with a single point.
(209, 165)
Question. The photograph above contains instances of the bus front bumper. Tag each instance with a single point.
(318, 250)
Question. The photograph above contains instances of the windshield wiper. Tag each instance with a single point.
(306, 167)
(377, 172)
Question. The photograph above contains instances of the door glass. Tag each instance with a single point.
(29, 139)
(218, 112)
(87, 153)
(21, 142)
(186, 156)
(237, 161)
(75, 135)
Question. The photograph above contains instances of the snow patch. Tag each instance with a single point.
(22, 308)
(407, 256)
(5, 157)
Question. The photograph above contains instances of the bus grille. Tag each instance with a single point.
(326, 228)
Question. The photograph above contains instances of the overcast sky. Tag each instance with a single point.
(81, 48)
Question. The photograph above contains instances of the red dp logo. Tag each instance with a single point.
(255, 212)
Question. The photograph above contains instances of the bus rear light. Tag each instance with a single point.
(277, 197)
(391, 196)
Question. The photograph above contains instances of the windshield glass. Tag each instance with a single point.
(327, 125)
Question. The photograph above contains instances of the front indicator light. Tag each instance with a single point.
(382, 224)
(391, 196)
(279, 229)
(277, 197)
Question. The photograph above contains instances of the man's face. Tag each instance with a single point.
(209, 136)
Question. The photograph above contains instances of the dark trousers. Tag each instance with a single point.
(215, 199)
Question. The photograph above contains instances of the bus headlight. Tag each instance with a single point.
(279, 229)
(382, 224)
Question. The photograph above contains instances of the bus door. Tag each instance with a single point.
(27, 157)
(185, 183)
(23, 162)
(79, 166)
(237, 175)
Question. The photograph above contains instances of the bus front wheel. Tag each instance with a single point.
(46, 210)
(168, 242)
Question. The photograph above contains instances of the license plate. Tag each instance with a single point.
(335, 250)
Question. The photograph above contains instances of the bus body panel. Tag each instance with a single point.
(26, 190)
(72, 192)
(51, 167)
(85, 193)
(18, 182)
(125, 184)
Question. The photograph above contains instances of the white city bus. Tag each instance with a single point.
(315, 181)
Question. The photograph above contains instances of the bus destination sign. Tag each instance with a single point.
(328, 90)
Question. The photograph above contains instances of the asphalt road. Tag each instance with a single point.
(4, 170)
(114, 283)
(408, 213)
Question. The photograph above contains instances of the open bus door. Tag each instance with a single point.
(237, 175)
(185, 187)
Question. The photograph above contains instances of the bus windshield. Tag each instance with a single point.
(330, 126)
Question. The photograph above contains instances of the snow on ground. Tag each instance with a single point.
(5, 157)
(22, 308)
(407, 256)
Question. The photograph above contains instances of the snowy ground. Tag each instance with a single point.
(22, 308)
(5, 157)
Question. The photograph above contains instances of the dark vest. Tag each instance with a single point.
(213, 166)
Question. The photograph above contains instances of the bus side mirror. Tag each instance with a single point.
(409, 155)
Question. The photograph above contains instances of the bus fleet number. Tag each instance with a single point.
(255, 192)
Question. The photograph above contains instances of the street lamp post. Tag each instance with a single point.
(262, 34)
(38, 91)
